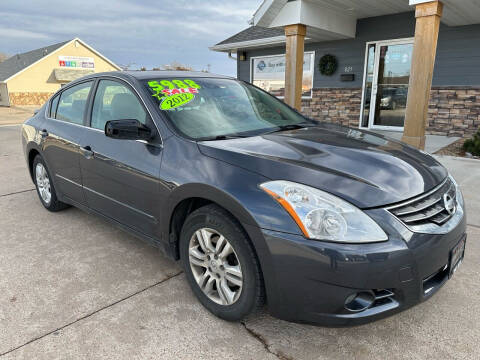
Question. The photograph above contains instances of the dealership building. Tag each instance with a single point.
(362, 61)
(32, 77)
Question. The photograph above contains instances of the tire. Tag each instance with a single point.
(217, 222)
(45, 188)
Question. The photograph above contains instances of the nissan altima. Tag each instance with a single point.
(322, 223)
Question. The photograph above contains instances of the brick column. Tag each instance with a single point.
(425, 47)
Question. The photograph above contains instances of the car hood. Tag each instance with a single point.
(364, 168)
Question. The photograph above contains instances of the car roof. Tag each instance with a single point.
(170, 73)
(142, 75)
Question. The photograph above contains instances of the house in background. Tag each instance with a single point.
(32, 77)
(383, 51)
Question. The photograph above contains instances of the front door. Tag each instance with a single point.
(120, 177)
(387, 75)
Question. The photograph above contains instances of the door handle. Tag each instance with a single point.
(43, 133)
(87, 152)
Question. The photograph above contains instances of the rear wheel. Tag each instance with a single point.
(220, 264)
(45, 189)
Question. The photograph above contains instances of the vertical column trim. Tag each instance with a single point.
(427, 26)
(295, 40)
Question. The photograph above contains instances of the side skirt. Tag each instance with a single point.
(164, 247)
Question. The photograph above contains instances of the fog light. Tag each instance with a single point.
(359, 301)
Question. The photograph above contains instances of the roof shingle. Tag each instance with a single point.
(253, 33)
(18, 62)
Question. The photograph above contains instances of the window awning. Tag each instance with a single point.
(67, 75)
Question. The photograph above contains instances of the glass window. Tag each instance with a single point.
(53, 106)
(393, 79)
(115, 101)
(269, 74)
(205, 108)
(72, 104)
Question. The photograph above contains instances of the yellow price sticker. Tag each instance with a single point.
(174, 101)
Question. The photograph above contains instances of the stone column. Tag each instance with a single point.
(425, 47)
(295, 35)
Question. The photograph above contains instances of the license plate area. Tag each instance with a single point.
(456, 257)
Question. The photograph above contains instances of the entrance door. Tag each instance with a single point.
(387, 75)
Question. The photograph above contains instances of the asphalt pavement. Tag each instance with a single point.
(74, 286)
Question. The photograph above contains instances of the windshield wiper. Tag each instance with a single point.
(288, 127)
(222, 137)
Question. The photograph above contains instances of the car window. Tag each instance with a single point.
(72, 104)
(115, 101)
(53, 106)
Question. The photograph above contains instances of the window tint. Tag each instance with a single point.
(115, 101)
(53, 106)
(72, 104)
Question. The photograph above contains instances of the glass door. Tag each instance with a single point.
(386, 84)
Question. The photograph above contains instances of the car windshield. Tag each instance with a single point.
(208, 108)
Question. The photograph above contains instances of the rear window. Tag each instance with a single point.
(202, 108)
(72, 104)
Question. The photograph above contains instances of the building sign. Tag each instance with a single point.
(268, 73)
(76, 62)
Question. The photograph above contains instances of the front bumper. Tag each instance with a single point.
(309, 281)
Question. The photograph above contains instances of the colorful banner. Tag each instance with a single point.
(76, 62)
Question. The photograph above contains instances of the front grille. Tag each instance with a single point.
(429, 208)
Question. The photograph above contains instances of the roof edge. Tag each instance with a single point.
(248, 44)
(259, 18)
(98, 54)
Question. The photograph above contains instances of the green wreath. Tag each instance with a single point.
(328, 65)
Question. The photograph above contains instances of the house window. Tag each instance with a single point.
(268, 73)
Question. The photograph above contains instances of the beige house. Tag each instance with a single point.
(32, 77)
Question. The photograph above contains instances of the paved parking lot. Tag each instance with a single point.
(16, 114)
(74, 286)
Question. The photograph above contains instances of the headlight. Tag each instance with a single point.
(323, 216)
(458, 192)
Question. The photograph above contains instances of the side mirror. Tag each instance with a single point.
(127, 129)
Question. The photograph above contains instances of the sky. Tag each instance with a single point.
(140, 33)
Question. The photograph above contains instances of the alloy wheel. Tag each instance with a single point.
(215, 266)
(43, 183)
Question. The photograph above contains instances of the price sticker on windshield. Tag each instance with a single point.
(174, 93)
(173, 101)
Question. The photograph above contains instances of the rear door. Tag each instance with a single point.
(120, 177)
(62, 131)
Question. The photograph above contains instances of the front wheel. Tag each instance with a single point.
(220, 264)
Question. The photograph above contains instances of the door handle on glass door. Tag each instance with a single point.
(87, 152)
